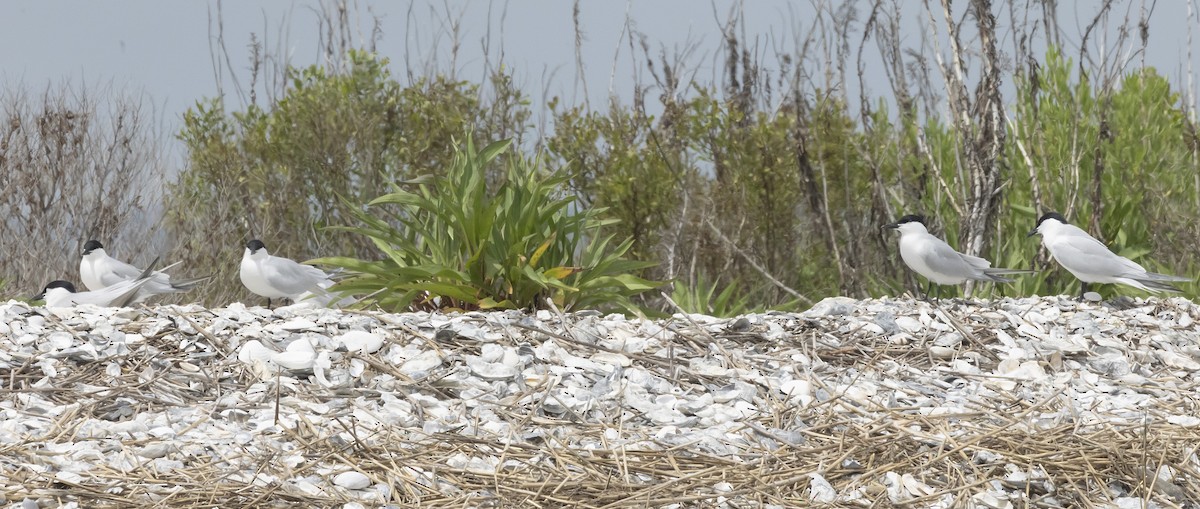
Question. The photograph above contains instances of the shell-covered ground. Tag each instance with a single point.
(1036, 402)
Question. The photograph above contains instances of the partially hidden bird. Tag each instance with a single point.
(98, 271)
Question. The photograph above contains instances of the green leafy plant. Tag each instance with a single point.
(450, 242)
(708, 298)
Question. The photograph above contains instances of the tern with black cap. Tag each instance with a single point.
(98, 271)
(941, 264)
(62, 294)
(274, 277)
(1092, 262)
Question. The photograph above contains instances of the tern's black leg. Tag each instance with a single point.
(933, 292)
(1082, 290)
(269, 303)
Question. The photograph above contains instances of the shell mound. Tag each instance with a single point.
(1008, 403)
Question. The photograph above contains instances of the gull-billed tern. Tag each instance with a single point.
(62, 294)
(933, 258)
(1092, 262)
(98, 271)
(274, 277)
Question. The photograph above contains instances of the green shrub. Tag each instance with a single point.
(448, 242)
(276, 171)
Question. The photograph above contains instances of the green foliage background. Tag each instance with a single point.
(763, 187)
(796, 189)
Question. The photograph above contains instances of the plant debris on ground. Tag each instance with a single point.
(1034, 402)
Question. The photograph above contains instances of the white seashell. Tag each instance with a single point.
(352, 480)
(68, 477)
(909, 324)
(1028, 370)
(357, 367)
(737, 391)
(914, 487)
(952, 340)
(155, 450)
(1176, 360)
(48, 367)
(491, 352)
(295, 360)
(254, 351)
(707, 367)
(615, 359)
(60, 341)
(360, 341)
(321, 364)
(296, 324)
(308, 488)
(989, 500)
(800, 391)
(300, 345)
(1187, 421)
(428, 360)
(861, 391)
(832, 306)
(942, 352)
(491, 370)
(820, 491)
(873, 328)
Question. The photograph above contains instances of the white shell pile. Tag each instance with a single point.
(1011, 403)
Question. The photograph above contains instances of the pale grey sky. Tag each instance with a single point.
(163, 48)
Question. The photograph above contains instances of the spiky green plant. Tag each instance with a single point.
(708, 298)
(451, 242)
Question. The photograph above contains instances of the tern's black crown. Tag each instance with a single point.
(1052, 215)
(60, 284)
(91, 246)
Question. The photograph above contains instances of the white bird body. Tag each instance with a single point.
(98, 271)
(1092, 262)
(274, 277)
(934, 259)
(61, 294)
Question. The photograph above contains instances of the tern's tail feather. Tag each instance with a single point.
(183, 285)
(1152, 285)
(998, 273)
(1009, 271)
(1154, 276)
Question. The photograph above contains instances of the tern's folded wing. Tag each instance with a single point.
(290, 277)
(943, 259)
(1086, 255)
